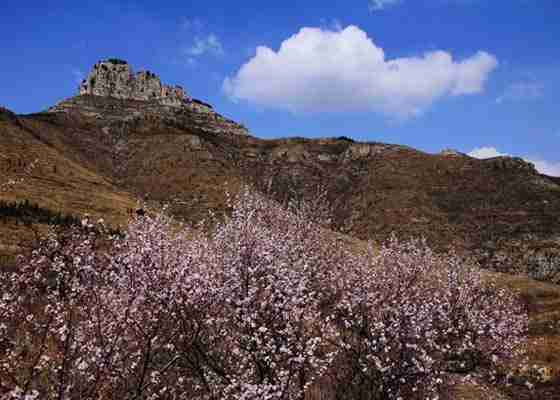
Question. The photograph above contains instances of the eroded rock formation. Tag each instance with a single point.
(116, 98)
(115, 78)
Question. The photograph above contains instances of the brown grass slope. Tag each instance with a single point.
(102, 154)
(60, 181)
(188, 159)
(543, 304)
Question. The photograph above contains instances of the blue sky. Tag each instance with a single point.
(431, 74)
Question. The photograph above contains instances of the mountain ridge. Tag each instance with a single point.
(120, 148)
(105, 156)
(162, 145)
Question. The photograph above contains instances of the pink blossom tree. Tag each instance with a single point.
(266, 305)
(270, 261)
(43, 305)
(407, 317)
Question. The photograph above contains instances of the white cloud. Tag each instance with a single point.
(519, 91)
(209, 44)
(344, 70)
(376, 5)
(546, 167)
(550, 168)
(203, 45)
(203, 42)
(486, 152)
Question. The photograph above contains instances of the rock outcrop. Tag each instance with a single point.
(113, 95)
(510, 163)
(451, 153)
(115, 78)
(358, 151)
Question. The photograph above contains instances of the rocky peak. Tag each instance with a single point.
(115, 78)
(113, 95)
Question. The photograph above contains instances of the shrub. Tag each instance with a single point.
(41, 308)
(266, 306)
(407, 317)
(542, 264)
(32, 213)
(544, 267)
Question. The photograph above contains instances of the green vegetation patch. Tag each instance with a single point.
(28, 213)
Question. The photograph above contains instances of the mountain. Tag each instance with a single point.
(130, 136)
(127, 137)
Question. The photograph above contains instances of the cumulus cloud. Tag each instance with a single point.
(520, 91)
(544, 167)
(344, 70)
(376, 5)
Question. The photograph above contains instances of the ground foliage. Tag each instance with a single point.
(266, 306)
(28, 213)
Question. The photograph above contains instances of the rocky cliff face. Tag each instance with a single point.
(113, 95)
(115, 78)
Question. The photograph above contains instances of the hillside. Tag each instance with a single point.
(98, 154)
(59, 180)
(375, 188)
(129, 133)
(187, 155)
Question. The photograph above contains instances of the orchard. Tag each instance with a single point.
(265, 305)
